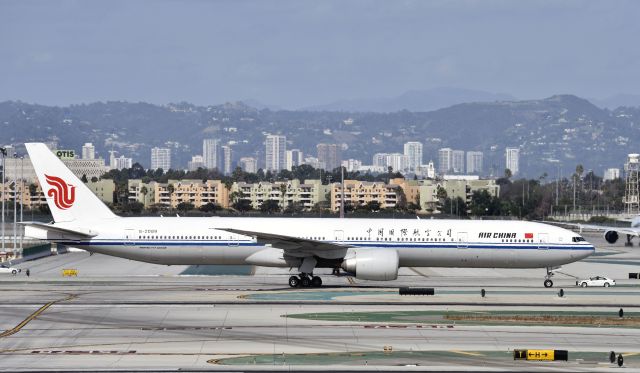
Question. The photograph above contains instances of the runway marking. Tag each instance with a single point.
(418, 272)
(466, 353)
(39, 311)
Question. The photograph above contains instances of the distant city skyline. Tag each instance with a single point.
(297, 54)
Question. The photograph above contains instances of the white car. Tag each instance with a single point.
(598, 281)
(4, 269)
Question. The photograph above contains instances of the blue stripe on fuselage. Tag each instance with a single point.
(432, 245)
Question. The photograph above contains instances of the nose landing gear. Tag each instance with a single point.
(548, 283)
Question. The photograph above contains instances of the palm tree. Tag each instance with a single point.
(144, 192)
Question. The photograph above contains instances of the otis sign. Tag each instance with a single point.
(65, 154)
(63, 194)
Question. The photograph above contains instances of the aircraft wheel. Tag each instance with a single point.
(548, 283)
(584, 285)
(305, 282)
(294, 281)
(316, 282)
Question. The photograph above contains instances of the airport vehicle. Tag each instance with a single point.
(4, 269)
(370, 249)
(598, 281)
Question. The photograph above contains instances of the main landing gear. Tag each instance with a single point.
(629, 243)
(547, 279)
(304, 280)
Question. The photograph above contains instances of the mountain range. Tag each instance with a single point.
(554, 133)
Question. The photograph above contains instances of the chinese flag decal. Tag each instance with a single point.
(528, 235)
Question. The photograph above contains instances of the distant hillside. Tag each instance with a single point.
(561, 128)
(416, 100)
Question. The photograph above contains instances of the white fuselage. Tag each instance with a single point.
(427, 243)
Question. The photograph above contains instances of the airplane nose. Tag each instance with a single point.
(588, 252)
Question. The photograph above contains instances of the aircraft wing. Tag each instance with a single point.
(294, 246)
(602, 228)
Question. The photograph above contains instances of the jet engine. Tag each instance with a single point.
(611, 236)
(372, 264)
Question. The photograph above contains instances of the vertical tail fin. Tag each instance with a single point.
(67, 196)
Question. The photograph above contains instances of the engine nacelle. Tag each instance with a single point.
(611, 236)
(372, 264)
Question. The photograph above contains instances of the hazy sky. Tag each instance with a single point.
(299, 53)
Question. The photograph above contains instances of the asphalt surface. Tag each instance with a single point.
(123, 315)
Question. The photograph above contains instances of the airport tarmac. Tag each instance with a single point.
(124, 315)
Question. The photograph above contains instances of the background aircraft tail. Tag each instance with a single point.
(69, 199)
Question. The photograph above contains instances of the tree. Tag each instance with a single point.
(94, 179)
(210, 207)
(33, 190)
(294, 208)
(401, 199)
(283, 192)
(373, 206)
(507, 173)
(84, 178)
(243, 205)
(144, 192)
(185, 206)
(270, 206)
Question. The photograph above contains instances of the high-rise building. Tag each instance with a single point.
(457, 161)
(352, 165)
(294, 158)
(474, 162)
(122, 162)
(112, 159)
(512, 160)
(227, 153)
(88, 151)
(399, 162)
(211, 153)
(413, 150)
(380, 159)
(196, 162)
(329, 154)
(445, 159)
(161, 158)
(611, 174)
(248, 164)
(276, 150)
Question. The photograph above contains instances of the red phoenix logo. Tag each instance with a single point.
(63, 194)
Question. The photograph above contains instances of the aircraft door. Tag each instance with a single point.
(338, 236)
(129, 237)
(463, 240)
(543, 241)
(234, 240)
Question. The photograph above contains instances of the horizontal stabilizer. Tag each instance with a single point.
(44, 231)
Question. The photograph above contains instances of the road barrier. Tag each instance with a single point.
(416, 291)
(537, 355)
(69, 272)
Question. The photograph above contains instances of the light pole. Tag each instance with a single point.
(3, 151)
(21, 200)
(15, 206)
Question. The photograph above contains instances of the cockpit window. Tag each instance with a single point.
(577, 239)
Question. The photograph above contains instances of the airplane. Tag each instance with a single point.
(368, 249)
(611, 234)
